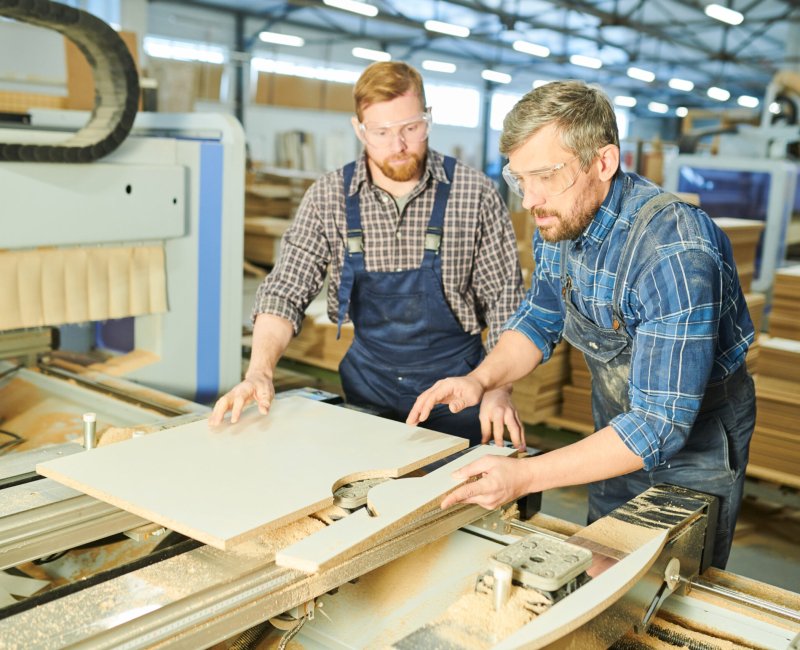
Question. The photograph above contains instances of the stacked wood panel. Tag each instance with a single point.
(271, 200)
(775, 448)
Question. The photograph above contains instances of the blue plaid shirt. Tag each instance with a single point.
(683, 307)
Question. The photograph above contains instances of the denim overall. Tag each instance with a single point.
(714, 457)
(406, 336)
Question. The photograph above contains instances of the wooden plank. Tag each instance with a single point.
(224, 485)
(392, 505)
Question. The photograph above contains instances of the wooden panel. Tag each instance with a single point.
(338, 97)
(393, 504)
(296, 92)
(224, 485)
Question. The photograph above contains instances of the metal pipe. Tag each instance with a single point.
(745, 599)
(89, 430)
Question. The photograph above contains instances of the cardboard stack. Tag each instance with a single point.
(784, 318)
(272, 197)
(538, 396)
(744, 235)
(523, 229)
(755, 305)
(775, 448)
(576, 405)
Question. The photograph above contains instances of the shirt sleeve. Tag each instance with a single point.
(497, 278)
(299, 273)
(677, 304)
(540, 316)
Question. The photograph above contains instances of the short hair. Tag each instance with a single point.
(386, 80)
(583, 115)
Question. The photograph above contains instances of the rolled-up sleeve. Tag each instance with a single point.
(540, 316)
(300, 271)
(678, 303)
(497, 279)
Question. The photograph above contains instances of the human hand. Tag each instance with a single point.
(257, 386)
(458, 392)
(498, 412)
(498, 480)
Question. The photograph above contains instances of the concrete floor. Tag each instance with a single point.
(766, 544)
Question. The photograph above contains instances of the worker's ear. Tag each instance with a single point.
(607, 161)
(357, 128)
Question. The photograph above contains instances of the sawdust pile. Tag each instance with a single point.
(471, 621)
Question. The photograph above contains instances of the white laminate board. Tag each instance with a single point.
(392, 504)
(223, 485)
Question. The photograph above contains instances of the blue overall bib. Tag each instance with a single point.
(714, 457)
(406, 336)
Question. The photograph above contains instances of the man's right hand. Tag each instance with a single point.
(457, 392)
(257, 386)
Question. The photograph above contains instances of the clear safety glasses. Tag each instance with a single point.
(548, 182)
(410, 131)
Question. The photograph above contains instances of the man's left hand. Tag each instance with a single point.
(499, 480)
(498, 413)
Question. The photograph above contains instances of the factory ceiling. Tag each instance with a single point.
(672, 39)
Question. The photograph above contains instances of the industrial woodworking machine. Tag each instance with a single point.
(93, 576)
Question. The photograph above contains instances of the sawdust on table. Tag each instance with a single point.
(16, 397)
(471, 621)
(267, 545)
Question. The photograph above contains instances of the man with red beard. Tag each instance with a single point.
(646, 287)
(421, 257)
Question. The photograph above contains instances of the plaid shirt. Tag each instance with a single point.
(682, 305)
(480, 268)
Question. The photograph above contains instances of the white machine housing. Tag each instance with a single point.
(177, 180)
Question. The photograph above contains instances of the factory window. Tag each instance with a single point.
(502, 103)
(454, 105)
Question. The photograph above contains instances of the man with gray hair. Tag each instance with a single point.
(646, 287)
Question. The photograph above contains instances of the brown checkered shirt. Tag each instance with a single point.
(480, 268)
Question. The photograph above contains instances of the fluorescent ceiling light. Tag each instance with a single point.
(447, 28)
(372, 55)
(681, 84)
(622, 100)
(352, 5)
(497, 77)
(531, 48)
(282, 39)
(658, 107)
(681, 111)
(308, 71)
(586, 61)
(538, 83)
(724, 14)
(747, 101)
(720, 94)
(640, 74)
(161, 48)
(438, 66)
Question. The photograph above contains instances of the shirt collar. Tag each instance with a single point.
(433, 167)
(607, 214)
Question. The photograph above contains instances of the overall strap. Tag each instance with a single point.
(354, 246)
(435, 228)
(642, 219)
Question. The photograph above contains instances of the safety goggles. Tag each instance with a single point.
(548, 182)
(411, 131)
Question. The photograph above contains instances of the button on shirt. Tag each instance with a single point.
(682, 306)
(480, 269)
